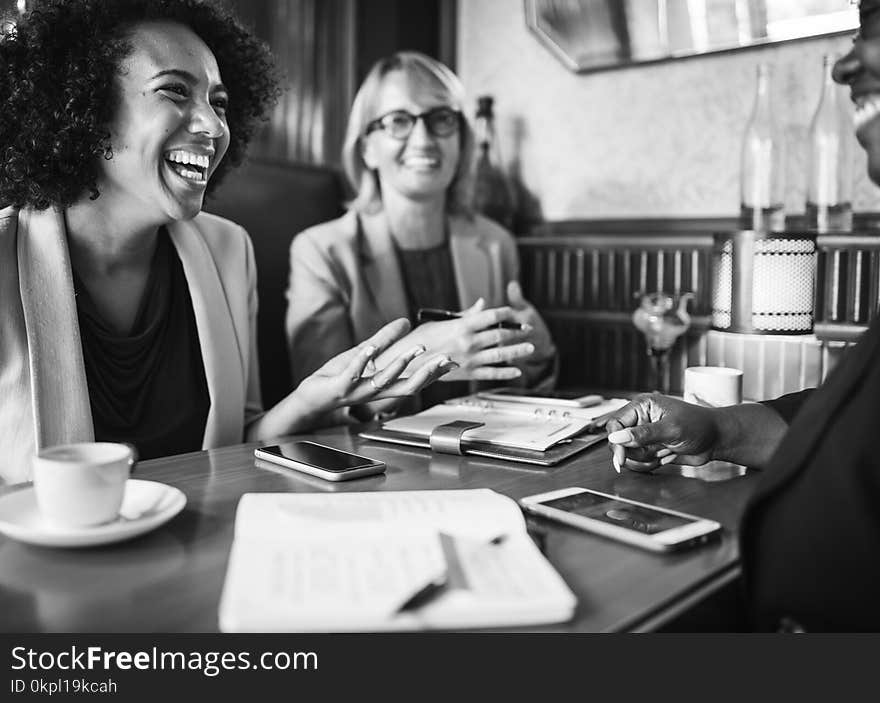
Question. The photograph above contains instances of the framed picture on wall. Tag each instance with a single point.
(593, 35)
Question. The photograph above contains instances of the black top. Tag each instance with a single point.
(428, 278)
(429, 281)
(811, 534)
(148, 387)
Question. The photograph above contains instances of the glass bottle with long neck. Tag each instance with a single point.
(762, 185)
(829, 184)
(493, 195)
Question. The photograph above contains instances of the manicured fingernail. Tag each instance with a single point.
(530, 347)
(620, 437)
(418, 350)
(526, 327)
(667, 460)
(616, 462)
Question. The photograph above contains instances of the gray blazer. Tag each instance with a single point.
(343, 288)
(44, 396)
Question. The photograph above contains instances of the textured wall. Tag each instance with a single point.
(655, 140)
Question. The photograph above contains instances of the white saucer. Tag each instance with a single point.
(146, 505)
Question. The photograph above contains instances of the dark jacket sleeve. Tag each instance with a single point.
(788, 405)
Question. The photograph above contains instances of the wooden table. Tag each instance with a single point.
(170, 580)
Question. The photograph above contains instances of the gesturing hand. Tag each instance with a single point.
(655, 429)
(527, 314)
(476, 343)
(342, 380)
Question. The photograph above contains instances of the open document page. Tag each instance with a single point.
(347, 562)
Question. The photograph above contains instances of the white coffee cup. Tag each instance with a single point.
(81, 485)
(712, 386)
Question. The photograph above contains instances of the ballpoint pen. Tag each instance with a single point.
(437, 585)
(425, 594)
(438, 315)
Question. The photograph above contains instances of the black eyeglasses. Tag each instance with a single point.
(399, 124)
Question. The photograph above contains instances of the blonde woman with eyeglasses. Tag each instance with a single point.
(410, 240)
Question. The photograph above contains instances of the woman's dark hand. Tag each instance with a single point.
(654, 429)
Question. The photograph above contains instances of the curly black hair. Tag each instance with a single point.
(56, 68)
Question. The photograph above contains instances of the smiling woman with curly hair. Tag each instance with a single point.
(58, 99)
(128, 314)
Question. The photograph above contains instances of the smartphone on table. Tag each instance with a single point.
(319, 460)
(638, 524)
(573, 399)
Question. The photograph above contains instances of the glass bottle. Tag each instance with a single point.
(762, 164)
(493, 195)
(829, 184)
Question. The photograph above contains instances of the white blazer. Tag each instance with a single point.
(43, 392)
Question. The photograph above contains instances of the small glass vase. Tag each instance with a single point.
(662, 320)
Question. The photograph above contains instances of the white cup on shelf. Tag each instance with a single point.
(713, 386)
(82, 485)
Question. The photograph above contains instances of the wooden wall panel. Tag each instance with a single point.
(847, 285)
(588, 287)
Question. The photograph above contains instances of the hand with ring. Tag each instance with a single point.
(343, 381)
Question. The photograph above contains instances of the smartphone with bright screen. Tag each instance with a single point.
(629, 521)
(320, 460)
(616, 512)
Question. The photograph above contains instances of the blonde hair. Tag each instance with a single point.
(364, 180)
